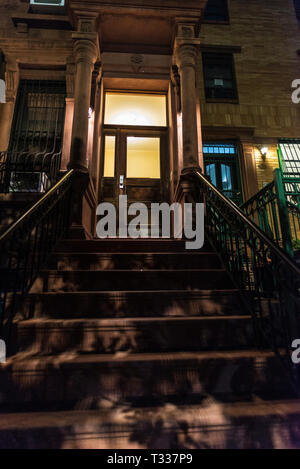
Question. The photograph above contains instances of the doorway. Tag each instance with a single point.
(222, 166)
(135, 157)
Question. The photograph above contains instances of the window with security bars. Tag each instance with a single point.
(219, 76)
(289, 156)
(39, 117)
(216, 11)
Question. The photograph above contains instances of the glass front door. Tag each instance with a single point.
(134, 154)
(133, 166)
(221, 165)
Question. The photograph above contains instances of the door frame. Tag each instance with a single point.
(214, 159)
(121, 133)
(138, 130)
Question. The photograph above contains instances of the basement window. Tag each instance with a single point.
(219, 77)
(216, 11)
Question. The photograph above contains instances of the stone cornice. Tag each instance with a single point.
(167, 7)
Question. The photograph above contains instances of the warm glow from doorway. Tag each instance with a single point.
(135, 109)
(143, 157)
(109, 156)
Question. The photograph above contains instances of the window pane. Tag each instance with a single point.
(216, 10)
(226, 177)
(218, 76)
(109, 156)
(211, 172)
(297, 8)
(48, 2)
(143, 157)
(135, 109)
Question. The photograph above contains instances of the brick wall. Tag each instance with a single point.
(269, 37)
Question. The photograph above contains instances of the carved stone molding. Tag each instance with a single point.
(185, 30)
(96, 77)
(186, 55)
(70, 76)
(12, 81)
(175, 78)
(87, 24)
(85, 51)
(137, 61)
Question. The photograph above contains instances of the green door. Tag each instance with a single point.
(222, 166)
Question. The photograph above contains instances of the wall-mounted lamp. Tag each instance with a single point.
(263, 151)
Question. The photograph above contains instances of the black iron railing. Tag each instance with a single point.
(28, 172)
(266, 275)
(25, 245)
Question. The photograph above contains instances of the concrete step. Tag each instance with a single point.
(141, 303)
(70, 378)
(132, 261)
(210, 425)
(135, 335)
(114, 280)
(127, 245)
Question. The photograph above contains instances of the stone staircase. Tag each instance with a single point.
(13, 205)
(141, 344)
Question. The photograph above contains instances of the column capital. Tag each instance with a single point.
(86, 47)
(186, 52)
(12, 77)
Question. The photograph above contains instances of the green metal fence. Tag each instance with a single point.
(276, 210)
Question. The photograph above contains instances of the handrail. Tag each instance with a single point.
(25, 246)
(266, 276)
(40, 202)
(266, 239)
(276, 209)
(258, 194)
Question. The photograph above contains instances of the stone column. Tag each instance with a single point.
(186, 56)
(69, 114)
(85, 51)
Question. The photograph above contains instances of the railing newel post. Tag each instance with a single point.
(283, 213)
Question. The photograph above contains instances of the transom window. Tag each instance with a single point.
(219, 149)
(216, 11)
(131, 109)
(219, 76)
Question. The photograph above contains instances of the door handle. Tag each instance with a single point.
(121, 184)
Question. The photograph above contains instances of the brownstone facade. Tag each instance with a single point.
(149, 48)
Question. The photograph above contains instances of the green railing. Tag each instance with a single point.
(276, 210)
